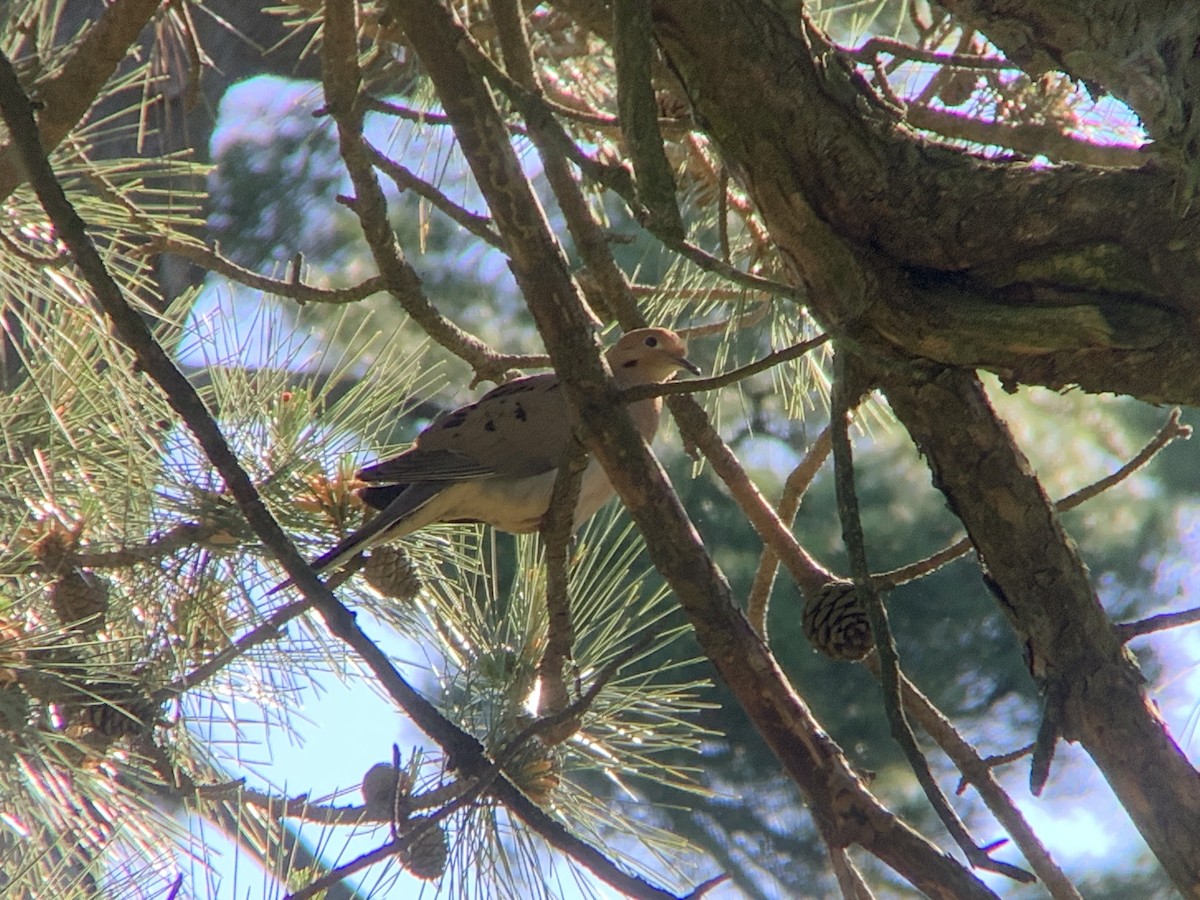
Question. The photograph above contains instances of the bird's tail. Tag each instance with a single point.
(375, 531)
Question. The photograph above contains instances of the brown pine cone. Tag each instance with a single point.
(80, 599)
(537, 770)
(392, 573)
(425, 857)
(836, 623)
(379, 789)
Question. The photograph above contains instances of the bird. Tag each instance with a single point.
(495, 460)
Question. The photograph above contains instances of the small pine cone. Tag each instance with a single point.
(80, 599)
(392, 573)
(425, 857)
(126, 712)
(379, 789)
(836, 623)
(958, 88)
(536, 770)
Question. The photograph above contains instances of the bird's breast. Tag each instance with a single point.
(518, 505)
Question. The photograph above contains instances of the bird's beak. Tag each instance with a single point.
(685, 363)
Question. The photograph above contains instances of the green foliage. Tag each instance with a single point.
(141, 658)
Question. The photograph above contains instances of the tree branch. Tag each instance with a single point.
(463, 748)
(343, 84)
(406, 180)
(602, 281)
(1093, 686)
(1127, 631)
(891, 676)
(979, 773)
(757, 601)
(631, 45)
(1170, 431)
(212, 260)
(66, 96)
(808, 755)
(696, 385)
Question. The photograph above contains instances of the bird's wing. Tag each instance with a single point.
(517, 430)
(381, 527)
(420, 465)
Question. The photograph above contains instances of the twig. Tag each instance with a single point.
(683, 293)
(994, 762)
(539, 115)
(557, 529)
(342, 83)
(602, 281)
(885, 647)
(1171, 430)
(850, 881)
(342, 872)
(1025, 137)
(1054, 713)
(874, 46)
(704, 887)
(301, 807)
(935, 85)
(737, 322)
(980, 773)
(406, 180)
(1127, 631)
(290, 288)
(718, 178)
(797, 483)
(266, 631)
(183, 535)
(695, 385)
(376, 104)
(695, 427)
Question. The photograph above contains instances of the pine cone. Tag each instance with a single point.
(379, 788)
(425, 856)
(536, 770)
(835, 622)
(392, 573)
(80, 599)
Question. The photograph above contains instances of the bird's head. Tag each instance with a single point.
(648, 356)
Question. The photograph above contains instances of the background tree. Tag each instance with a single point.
(831, 207)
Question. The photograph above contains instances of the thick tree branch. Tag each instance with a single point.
(806, 752)
(1018, 269)
(1043, 587)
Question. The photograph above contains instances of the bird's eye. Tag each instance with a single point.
(652, 341)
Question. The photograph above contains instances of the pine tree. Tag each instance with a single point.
(182, 418)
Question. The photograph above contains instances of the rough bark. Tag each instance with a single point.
(1095, 688)
(1143, 52)
(1052, 276)
(846, 809)
(913, 253)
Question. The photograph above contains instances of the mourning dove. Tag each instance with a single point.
(495, 460)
